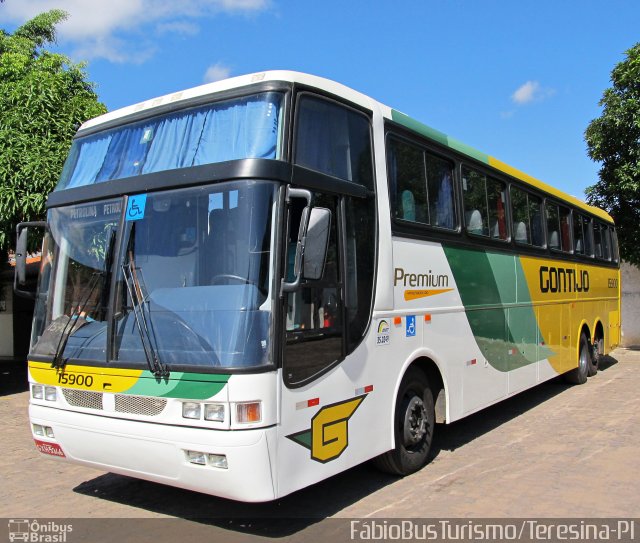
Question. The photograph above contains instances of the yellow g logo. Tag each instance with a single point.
(329, 434)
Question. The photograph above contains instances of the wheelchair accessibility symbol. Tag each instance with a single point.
(411, 325)
(135, 207)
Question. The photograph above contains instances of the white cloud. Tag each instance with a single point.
(216, 72)
(178, 27)
(96, 27)
(531, 91)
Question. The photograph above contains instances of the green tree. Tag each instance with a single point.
(43, 98)
(614, 140)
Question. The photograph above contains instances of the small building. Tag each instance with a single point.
(16, 315)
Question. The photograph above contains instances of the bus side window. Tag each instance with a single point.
(520, 216)
(553, 225)
(408, 181)
(440, 188)
(578, 234)
(597, 241)
(587, 228)
(334, 139)
(614, 244)
(526, 213)
(475, 202)
(496, 191)
(606, 242)
(484, 204)
(565, 228)
(314, 311)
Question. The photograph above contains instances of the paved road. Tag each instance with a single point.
(554, 451)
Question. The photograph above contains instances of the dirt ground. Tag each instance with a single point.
(554, 451)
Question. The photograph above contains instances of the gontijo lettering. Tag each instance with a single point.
(563, 279)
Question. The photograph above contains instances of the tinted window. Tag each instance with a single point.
(314, 312)
(597, 241)
(421, 185)
(587, 228)
(440, 189)
(614, 244)
(360, 238)
(408, 176)
(558, 227)
(527, 218)
(553, 226)
(606, 242)
(581, 235)
(565, 228)
(484, 204)
(334, 140)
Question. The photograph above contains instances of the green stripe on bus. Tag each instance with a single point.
(193, 386)
(438, 136)
(508, 337)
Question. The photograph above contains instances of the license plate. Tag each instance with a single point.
(49, 448)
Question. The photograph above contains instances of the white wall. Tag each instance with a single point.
(630, 305)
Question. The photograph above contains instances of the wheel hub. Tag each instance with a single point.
(415, 421)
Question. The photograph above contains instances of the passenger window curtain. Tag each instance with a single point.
(242, 128)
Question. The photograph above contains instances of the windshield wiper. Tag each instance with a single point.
(70, 327)
(134, 288)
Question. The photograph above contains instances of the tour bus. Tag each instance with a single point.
(255, 284)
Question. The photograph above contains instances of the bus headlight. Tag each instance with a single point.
(214, 411)
(196, 457)
(37, 392)
(218, 461)
(50, 394)
(191, 410)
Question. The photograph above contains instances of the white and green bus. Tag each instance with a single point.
(253, 285)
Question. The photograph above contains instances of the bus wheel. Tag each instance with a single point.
(413, 426)
(578, 376)
(596, 353)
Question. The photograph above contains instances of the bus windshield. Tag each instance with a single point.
(192, 278)
(247, 127)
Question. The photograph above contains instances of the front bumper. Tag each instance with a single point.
(157, 452)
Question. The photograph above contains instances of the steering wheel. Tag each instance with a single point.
(216, 279)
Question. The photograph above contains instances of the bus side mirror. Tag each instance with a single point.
(317, 243)
(312, 243)
(20, 277)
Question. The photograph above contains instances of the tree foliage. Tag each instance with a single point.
(43, 98)
(614, 140)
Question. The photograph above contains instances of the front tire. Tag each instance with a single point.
(414, 422)
(578, 376)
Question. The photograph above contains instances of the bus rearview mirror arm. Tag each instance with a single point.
(20, 276)
(291, 286)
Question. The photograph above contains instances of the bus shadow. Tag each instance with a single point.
(310, 506)
(605, 362)
(280, 518)
(453, 436)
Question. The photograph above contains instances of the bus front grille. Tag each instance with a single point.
(83, 398)
(140, 405)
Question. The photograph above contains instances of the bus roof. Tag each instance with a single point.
(355, 97)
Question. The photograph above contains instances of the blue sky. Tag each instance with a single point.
(517, 79)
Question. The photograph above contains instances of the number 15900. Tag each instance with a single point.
(75, 379)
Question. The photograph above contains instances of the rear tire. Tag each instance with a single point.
(596, 352)
(414, 421)
(578, 376)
